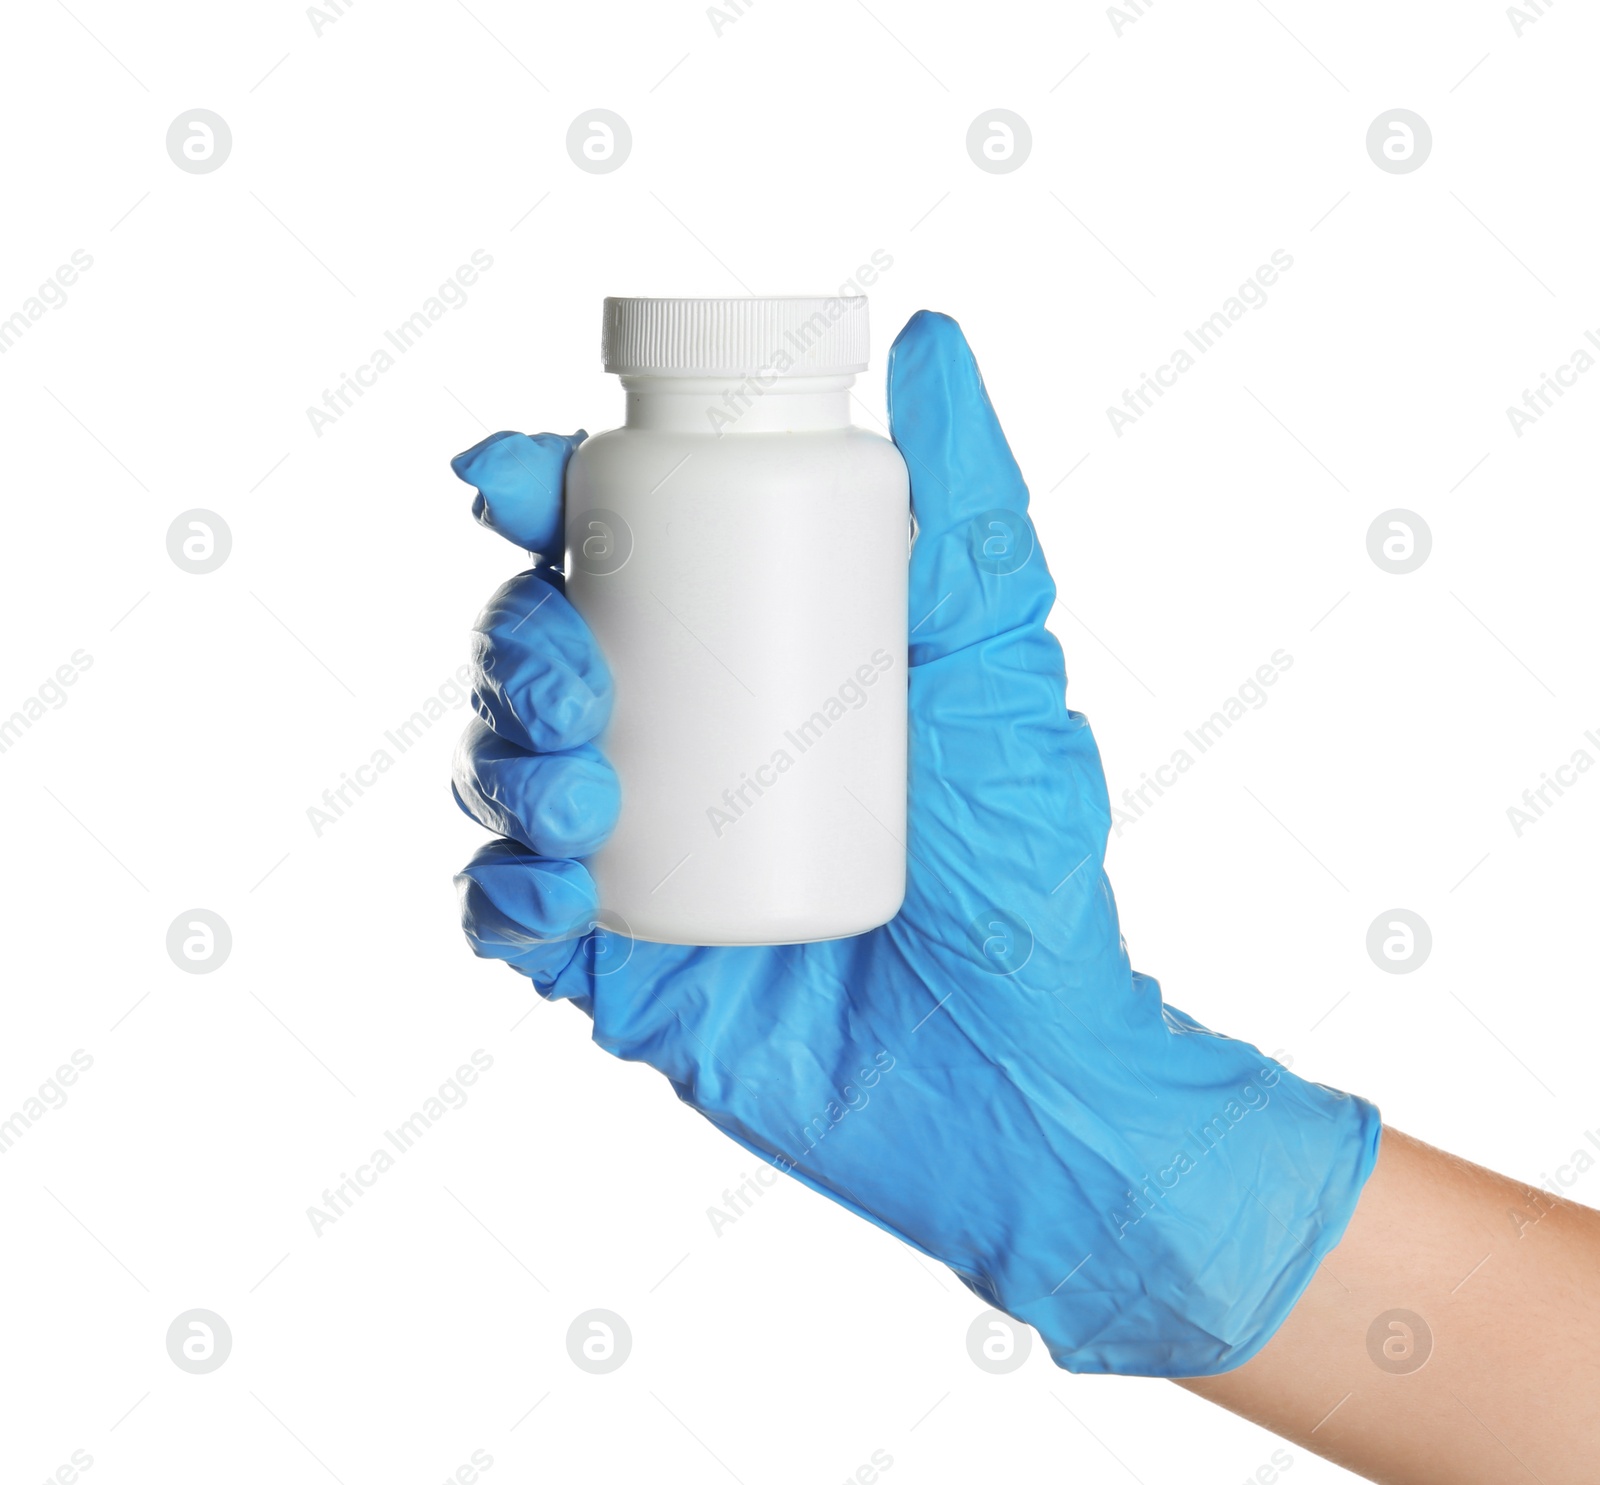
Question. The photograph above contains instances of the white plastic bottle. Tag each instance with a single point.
(739, 550)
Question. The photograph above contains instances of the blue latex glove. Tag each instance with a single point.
(985, 1077)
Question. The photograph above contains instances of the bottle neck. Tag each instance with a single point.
(721, 405)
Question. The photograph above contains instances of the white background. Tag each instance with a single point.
(367, 163)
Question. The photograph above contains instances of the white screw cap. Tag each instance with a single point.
(735, 337)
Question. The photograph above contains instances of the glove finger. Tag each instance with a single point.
(518, 477)
(990, 725)
(539, 679)
(976, 568)
(557, 804)
(528, 910)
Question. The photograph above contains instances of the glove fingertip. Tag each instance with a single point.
(518, 477)
(944, 424)
(524, 909)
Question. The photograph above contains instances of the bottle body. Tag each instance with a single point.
(748, 590)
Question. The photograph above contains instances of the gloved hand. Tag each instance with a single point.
(985, 1076)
